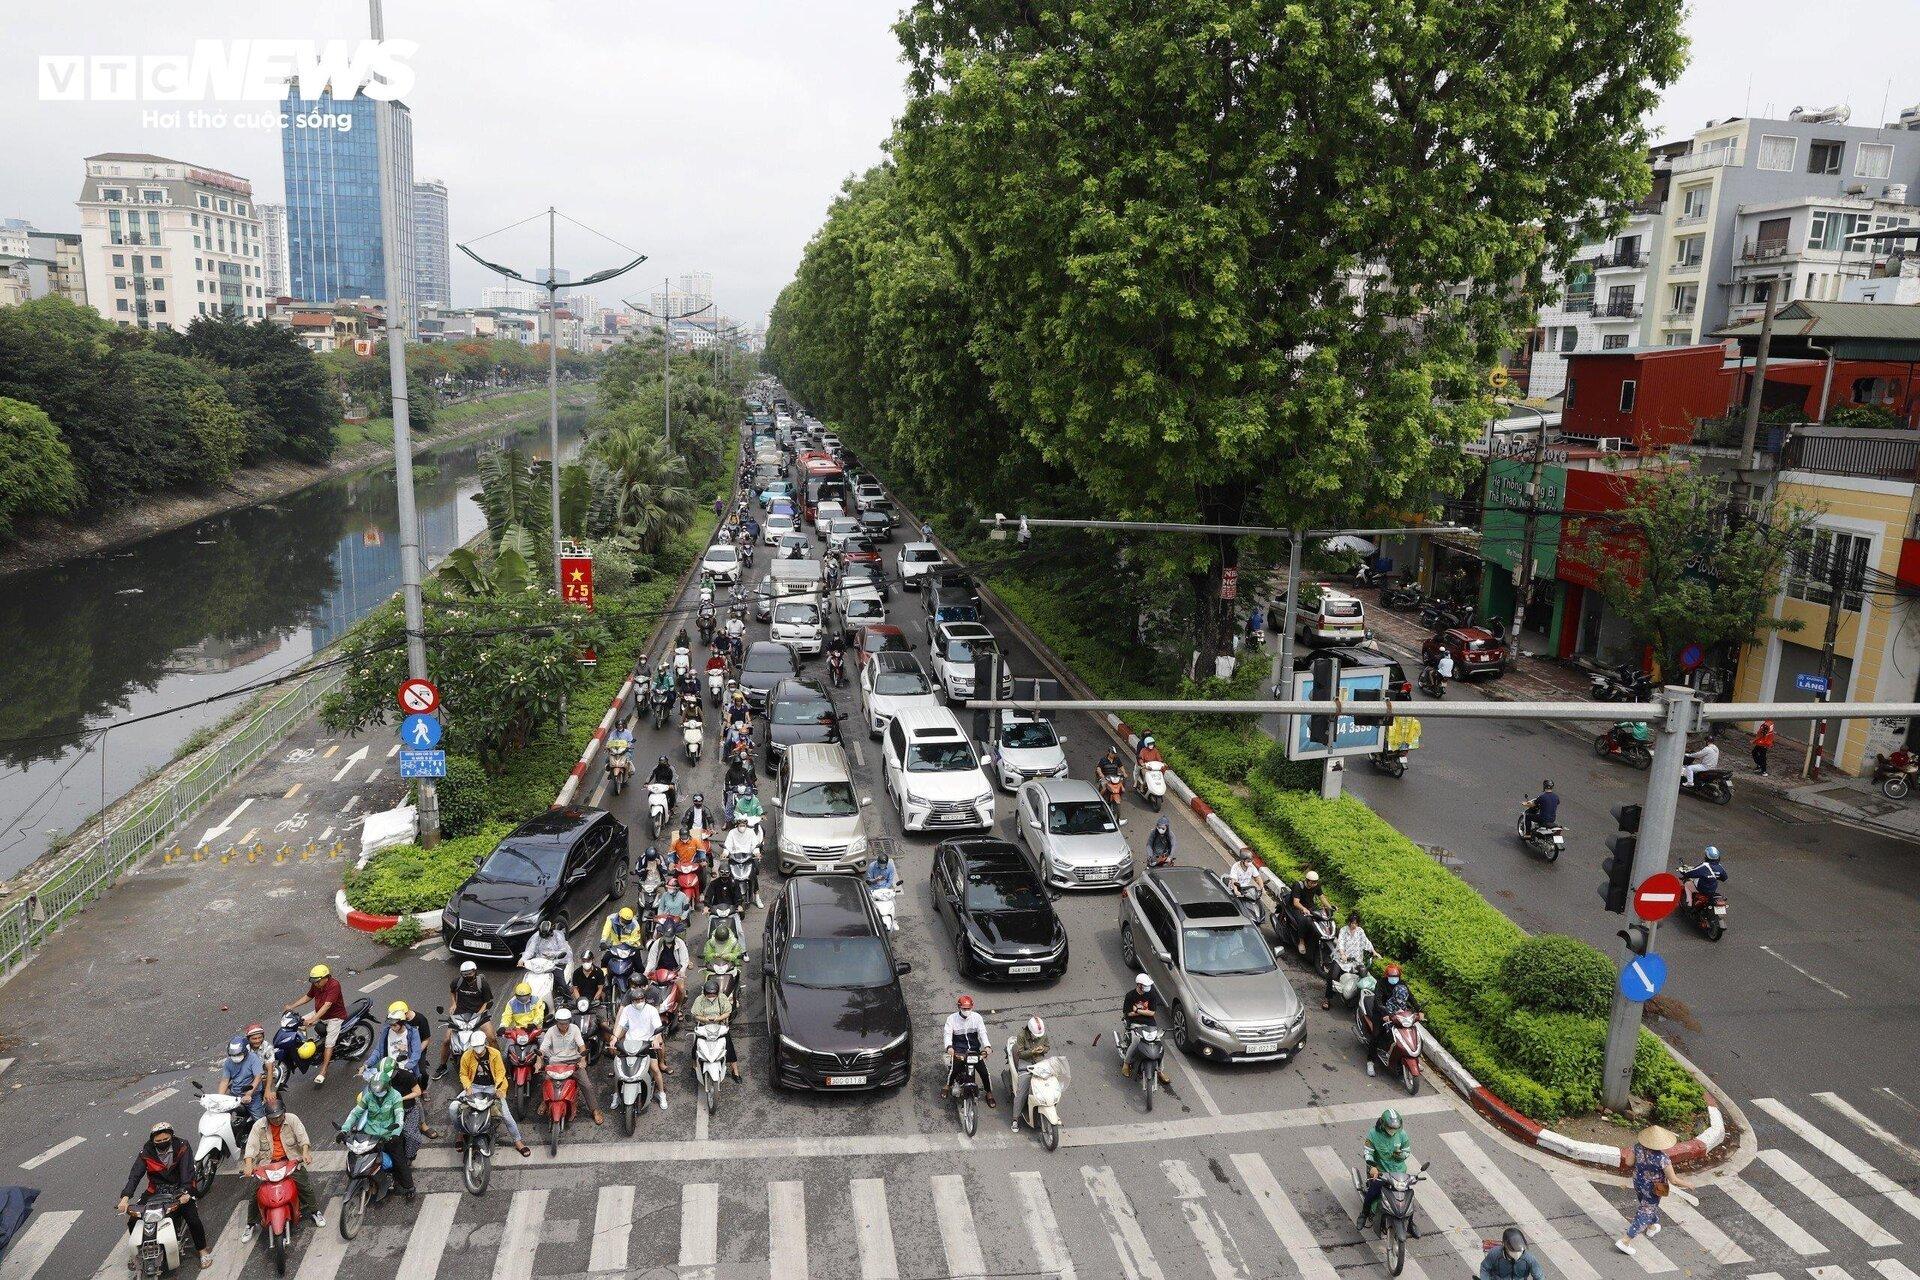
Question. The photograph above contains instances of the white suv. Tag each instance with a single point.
(931, 772)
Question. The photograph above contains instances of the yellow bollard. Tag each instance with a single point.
(307, 852)
(281, 856)
(199, 853)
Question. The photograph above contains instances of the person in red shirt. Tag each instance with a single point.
(329, 1010)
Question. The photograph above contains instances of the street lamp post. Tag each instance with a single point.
(666, 363)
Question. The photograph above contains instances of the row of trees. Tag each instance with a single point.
(1212, 260)
(98, 413)
(437, 371)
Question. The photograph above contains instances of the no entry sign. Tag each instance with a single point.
(1657, 896)
(419, 697)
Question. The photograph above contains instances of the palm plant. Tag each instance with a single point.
(651, 494)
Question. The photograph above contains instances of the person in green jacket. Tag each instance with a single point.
(1388, 1150)
(380, 1113)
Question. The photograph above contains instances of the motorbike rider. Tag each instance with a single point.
(663, 773)
(329, 1010)
(1544, 809)
(690, 850)
(881, 873)
(1391, 997)
(1109, 771)
(638, 1017)
(837, 654)
(1030, 1045)
(723, 946)
(523, 1010)
(743, 844)
(698, 818)
(1244, 877)
(481, 1063)
(589, 980)
(1139, 1008)
(1387, 1151)
(717, 664)
(244, 1075)
(1707, 757)
(256, 1037)
(1148, 753)
(468, 993)
(739, 767)
(1351, 946)
(711, 1008)
(563, 1043)
(622, 926)
(280, 1137)
(380, 1113)
(673, 904)
(740, 711)
(966, 1028)
(1301, 902)
(1704, 880)
(1512, 1260)
(399, 1042)
(1160, 843)
(164, 1161)
(668, 951)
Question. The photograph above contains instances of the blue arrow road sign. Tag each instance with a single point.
(1810, 683)
(420, 733)
(1643, 977)
(423, 764)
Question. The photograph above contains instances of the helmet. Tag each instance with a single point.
(1393, 973)
(523, 989)
(1143, 982)
(1245, 855)
(965, 1003)
(1313, 877)
(318, 972)
(563, 1015)
(722, 930)
(883, 854)
(1035, 1027)
(1146, 741)
(663, 759)
(236, 1050)
(307, 1049)
(1514, 1241)
(159, 1127)
(276, 1109)
(626, 913)
(1713, 854)
(546, 928)
(1546, 784)
(398, 1011)
(254, 1029)
(1390, 1120)
(469, 1040)
(712, 987)
(1163, 824)
(468, 966)
(699, 798)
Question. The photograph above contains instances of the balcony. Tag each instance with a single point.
(1685, 268)
(1620, 260)
(1720, 437)
(1618, 311)
(1577, 303)
(1853, 451)
(1681, 315)
(1693, 219)
(1763, 250)
(1712, 158)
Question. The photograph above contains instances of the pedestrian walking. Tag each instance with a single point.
(1653, 1178)
(1762, 743)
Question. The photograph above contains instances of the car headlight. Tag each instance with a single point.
(787, 843)
(913, 802)
(791, 1043)
(524, 918)
(1207, 1021)
(984, 802)
(857, 847)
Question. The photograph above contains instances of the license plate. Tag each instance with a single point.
(478, 945)
(1719, 911)
(1263, 1046)
(845, 1080)
(1024, 968)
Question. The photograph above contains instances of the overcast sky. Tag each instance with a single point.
(712, 136)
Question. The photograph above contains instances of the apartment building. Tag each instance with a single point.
(39, 264)
(432, 254)
(273, 219)
(163, 242)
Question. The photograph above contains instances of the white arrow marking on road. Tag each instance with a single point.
(358, 757)
(226, 823)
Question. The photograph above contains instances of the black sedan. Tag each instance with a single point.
(799, 711)
(836, 1018)
(561, 866)
(767, 663)
(998, 914)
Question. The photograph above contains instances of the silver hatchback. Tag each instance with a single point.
(1071, 835)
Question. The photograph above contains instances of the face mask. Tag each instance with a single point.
(1512, 1256)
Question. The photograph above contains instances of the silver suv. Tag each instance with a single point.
(1227, 998)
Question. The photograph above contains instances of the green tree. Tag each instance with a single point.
(281, 389)
(69, 361)
(37, 476)
(652, 493)
(193, 434)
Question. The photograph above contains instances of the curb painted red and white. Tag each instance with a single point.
(369, 922)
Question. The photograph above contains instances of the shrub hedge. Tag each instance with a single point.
(407, 878)
(465, 799)
(1558, 974)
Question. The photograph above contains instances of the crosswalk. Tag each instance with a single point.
(1828, 1197)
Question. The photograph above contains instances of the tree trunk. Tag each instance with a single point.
(1214, 625)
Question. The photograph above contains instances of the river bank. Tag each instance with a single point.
(50, 542)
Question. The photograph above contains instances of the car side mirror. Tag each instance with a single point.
(1034, 825)
(1123, 822)
(766, 968)
(1279, 953)
(902, 967)
(774, 801)
(1061, 742)
(866, 799)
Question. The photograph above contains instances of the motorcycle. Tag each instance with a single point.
(1112, 787)
(1894, 774)
(559, 1099)
(1710, 784)
(619, 764)
(519, 1047)
(883, 903)
(1548, 841)
(663, 993)
(153, 1238)
(369, 1178)
(1151, 1049)
(837, 668)
(707, 625)
(475, 1123)
(1401, 1054)
(1444, 615)
(632, 1077)
(1430, 682)
(690, 732)
(716, 684)
(224, 1125)
(728, 976)
(1046, 1084)
(1150, 783)
(619, 960)
(710, 1053)
(1625, 742)
(661, 700)
(963, 1084)
(658, 812)
(539, 971)
(277, 1196)
(1251, 901)
(682, 660)
(1353, 979)
(1707, 911)
(1409, 596)
(687, 877)
(652, 885)
(1393, 1212)
(586, 1016)
(1390, 762)
(1624, 683)
(296, 1045)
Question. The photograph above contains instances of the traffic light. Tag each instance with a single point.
(1619, 864)
(1326, 685)
(1638, 938)
(1369, 717)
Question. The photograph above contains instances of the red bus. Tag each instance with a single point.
(822, 481)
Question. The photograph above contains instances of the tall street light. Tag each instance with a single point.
(553, 287)
(666, 299)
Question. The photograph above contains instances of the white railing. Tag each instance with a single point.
(1712, 158)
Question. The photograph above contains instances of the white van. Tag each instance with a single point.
(798, 624)
(820, 827)
(1334, 618)
(930, 769)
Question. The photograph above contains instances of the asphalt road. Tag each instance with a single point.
(1241, 1172)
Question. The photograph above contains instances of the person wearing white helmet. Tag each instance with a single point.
(1139, 1008)
(1030, 1045)
(467, 994)
(564, 1043)
(480, 1062)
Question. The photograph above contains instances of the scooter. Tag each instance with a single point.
(369, 1178)
(710, 1053)
(1430, 682)
(837, 668)
(475, 1122)
(728, 976)
(1623, 742)
(1710, 784)
(559, 1099)
(619, 959)
(664, 995)
(1150, 783)
(1111, 789)
(1252, 903)
(883, 903)
(519, 1047)
(1409, 596)
(707, 624)
(1046, 1084)
(633, 1077)
(619, 764)
(1544, 840)
(661, 700)
(690, 733)
(963, 1085)
(1148, 1045)
(296, 1045)
(687, 877)
(225, 1123)
(1708, 911)
(1393, 1212)
(658, 814)
(716, 684)
(1894, 774)
(1354, 979)
(277, 1196)
(1625, 683)
(682, 660)
(1401, 1055)
(154, 1239)
(586, 1016)
(1390, 762)
(540, 977)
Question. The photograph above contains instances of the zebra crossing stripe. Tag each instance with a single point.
(787, 1230)
(1123, 1227)
(431, 1229)
(1043, 1229)
(229, 1255)
(1761, 1210)
(954, 1216)
(1594, 1204)
(1287, 1224)
(1893, 1270)
(699, 1230)
(1718, 1245)
(1844, 1211)
(37, 1243)
(612, 1229)
(873, 1230)
(1338, 1177)
(1903, 1199)
(520, 1238)
(1209, 1231)
(1433, 1205)
(1518, 1207)
(326, 1249)
(1872, 1126)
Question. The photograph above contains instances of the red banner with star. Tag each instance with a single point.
(576, 587)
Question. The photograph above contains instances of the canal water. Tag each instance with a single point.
(182, 616)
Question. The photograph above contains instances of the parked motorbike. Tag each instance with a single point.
(1401, 1054)
(1407, 596)
(1046, 1084)
(883, 902)
(1625, 742)
(154, 1237)
(1443, 615)
(633, 1077)
(1392, 1214)
(1150, 783)
(369, 1178)
(1149, 1047)
(1707, 911)
(710, 1052)
(1710, 784)
(277, 1196)
(559, 1100)
(1624, 683)
(1544, 840)
(225, 1123)
(1392, 763)
(1895, 774)
(963, 1084)
(1430, 682)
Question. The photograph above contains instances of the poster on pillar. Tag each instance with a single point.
(576, 587)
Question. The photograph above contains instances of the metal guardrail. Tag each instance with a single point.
(65, 891)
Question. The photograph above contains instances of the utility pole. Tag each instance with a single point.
(1817, 741)
(407, 514)
(1756, 384)
(553, 398)
(666, 366)
(1523, 566)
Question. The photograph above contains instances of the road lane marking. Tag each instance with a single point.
(328, 753)
(358, 757)
(226, 824)
(293, 791)
(954, 1217)
(1337, 1177)
(322, 837)
(699, 1230)
(1903, 1199)
(326, 1250)
(1518, 1208)
(1122, 1224)
(1285, 1220)
(1050, 1257)
(787, 1230)
(53, 1152)
(1610, 1220)
(1191, 1074)
(374, 775)
(873, 1230)
(612, 1229)
(700, 1123)
(1818, 982)
(427, 1242)
(151, 1100)
(353, 802)
(4, 1064)
(1844, 1211)
(1761, 1210)
(1846, 1109)
(1209, 1231)
(393, 751)
(377, 983)
(1718, 1245)
(1442, 1213)
(1893, 1270)
(37, 1243)
(521, 1236)
(229, 1255)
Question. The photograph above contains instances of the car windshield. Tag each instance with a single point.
(939, 757)
(900, 684)
(722, 554)
(773, 657)
(1027, 735)
(1004, 891)
(864, 610)
(822, 800)
(1482, 644)
(846, 526)
(1079, 818)
(808, 709)
(797, 615)
(959, 651)
(528, 864)
(920, 555)
(837, 962)
(1213, 953)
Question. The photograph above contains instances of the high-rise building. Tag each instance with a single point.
(333, 201)
(273, 218)
(163, 242)
(515, 297)
(432, 251)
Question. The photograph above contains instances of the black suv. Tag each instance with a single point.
(1398, 686)
(798, 711)
(560, 866)
(836, 1018)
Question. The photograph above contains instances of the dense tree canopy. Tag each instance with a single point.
(36, 467)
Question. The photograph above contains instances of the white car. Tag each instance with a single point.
(891, 682)
(722, 562)
(798, 625)
(857, 607)
(953, 650)
(869, 496)
(775, 526)
(916, 560)
(1028, 748)
(825, 513)
(931, 772)
(838, 530)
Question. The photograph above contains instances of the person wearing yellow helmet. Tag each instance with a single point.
(329, 1011)
(622, 926)
(523, 1010)
(400, 1041)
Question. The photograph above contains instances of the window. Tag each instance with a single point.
(153, 260)
(112, 195)
(1693, 202)
(119, 282)
(160, 306)
(1873, 160)
(193, 219)
(1824, 558)
(1776, 152)
(1686, 299)
(1629, 389)
(1824, 157)
(159, 283)
(1569, 338)
(1829, 228)
(120, 304)
(205, 203)
(223, 205)
(119, 259)
(196, 242)
(1688, 250)
(240, 208)
(1620, 300)
(150, 196)
(1613, 342)
(199, 286)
